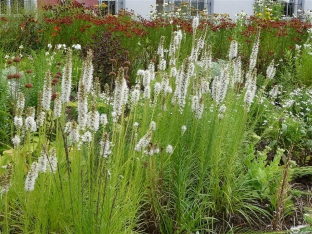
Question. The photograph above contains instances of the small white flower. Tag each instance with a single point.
(135, 96)
(195, 22)
(41, 118)
(143, 142)
(271, 70)
(157, 88)
(86, 137)
(42, 162)
(106, 145)
(16, 141)
(222, 109)
(77, 46)
(114, 115)
(183, 129)
(5, 188)
(68, 127)
(103, 119)
(18, 122)
(169, 149)
(168, 90)
(93, 120)
(74, 135)
(173, 72)
(30, 124)
(52, 162)
(20, 104)
(31, 177)
(147, 92)
(162, 65)
(156, 150)
(220, 116)
(153, 126)
(79, 145)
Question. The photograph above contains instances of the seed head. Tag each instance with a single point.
(17, 59)
(28, 86)
(17, 75)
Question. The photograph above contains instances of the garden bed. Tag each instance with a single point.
(171, 125)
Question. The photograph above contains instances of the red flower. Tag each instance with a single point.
(53, 34)
(3, 19)
(57, 28)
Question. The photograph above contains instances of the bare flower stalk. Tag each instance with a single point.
(40, 112)
(47, 92)
(282, 195)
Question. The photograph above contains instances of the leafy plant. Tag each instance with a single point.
(107, 59)
(265, 177)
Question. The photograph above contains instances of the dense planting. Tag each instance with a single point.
(108, 125)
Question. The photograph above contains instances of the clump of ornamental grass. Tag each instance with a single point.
(169, 148)
(81, 185)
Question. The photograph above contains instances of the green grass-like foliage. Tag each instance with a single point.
(163, 161)
(185, 147)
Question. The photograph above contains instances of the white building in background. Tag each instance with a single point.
(231, 7)
(142, 7)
